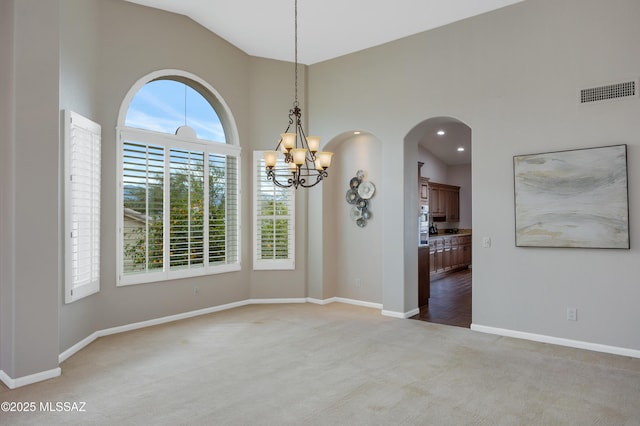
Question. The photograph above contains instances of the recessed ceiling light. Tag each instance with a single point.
(356, 133)
(460, 149)
(440, 132)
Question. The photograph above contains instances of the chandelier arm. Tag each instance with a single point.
(292, 114)
(288, 127)
(296, 180)
(271, 175)
(319, 178)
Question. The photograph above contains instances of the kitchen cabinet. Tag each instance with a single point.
(444, 201)
(454, 258)
(449, 253)
(437, 206)
(446, 254)
(424, 281)
(423, 195)
(466, 251)
(435, 255)
(453, 206)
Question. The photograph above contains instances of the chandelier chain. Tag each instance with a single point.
(295, 25)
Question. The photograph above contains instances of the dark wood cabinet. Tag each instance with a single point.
(444, 201)
(436, 250)
(449, 253)
(453, 206)
(424, 282)
(466, 251)
(455, 259)
(437, 201)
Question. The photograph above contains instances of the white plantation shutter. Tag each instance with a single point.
(273, 220)
(186, 211)
(143, 207)
(223, 209)
(82, 207)
(180, 207)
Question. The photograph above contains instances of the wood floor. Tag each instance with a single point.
(450, 301)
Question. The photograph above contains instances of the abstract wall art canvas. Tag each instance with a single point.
(575, 198)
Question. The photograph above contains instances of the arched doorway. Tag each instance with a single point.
(443, 164)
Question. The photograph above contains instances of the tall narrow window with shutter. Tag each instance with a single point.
(273, 221)
(82, 207)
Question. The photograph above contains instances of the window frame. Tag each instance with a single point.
(169, 142)
(271, 264)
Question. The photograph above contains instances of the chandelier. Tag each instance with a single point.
(304, 165)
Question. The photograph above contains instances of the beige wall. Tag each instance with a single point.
(512, 75)
(433, 168)
(271, 97)
(354, 253)
(30, 275)
(7, 117)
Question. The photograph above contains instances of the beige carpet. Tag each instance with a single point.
(304, 364)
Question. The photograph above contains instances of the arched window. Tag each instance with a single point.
(164, 105)
(178, 187)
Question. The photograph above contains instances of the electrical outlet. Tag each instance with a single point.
(486, 242)
(357, 282)
(572, 314)
(196, 290)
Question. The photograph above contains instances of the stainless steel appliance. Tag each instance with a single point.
(423, 225)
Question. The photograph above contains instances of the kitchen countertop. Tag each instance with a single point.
(461, 232)
(442, 234)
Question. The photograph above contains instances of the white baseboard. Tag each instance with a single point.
(411, 313)
(557, 341)
(269, 301)
(321, 301)
(346, 301)
(128, 327)
(392, 314)
(401, 315)
(157, 321)
(27, 380)
(358, 303)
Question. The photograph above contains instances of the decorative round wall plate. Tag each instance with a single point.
(366, 190)
(352, 196)
(358, 196)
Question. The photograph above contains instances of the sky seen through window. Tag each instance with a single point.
(165, 105)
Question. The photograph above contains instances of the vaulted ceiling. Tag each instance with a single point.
(326, 28)
(331, 28)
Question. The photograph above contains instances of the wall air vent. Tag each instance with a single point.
(625, 89)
